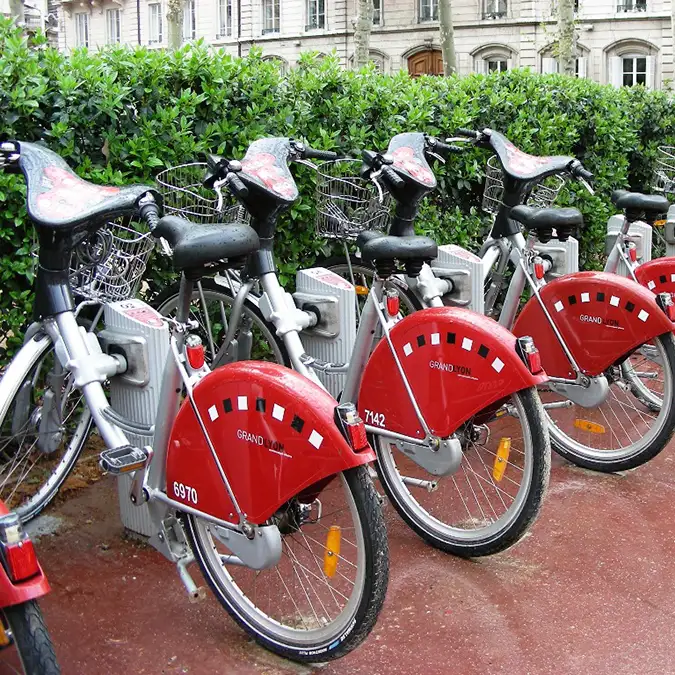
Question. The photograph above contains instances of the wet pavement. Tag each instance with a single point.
(590, 590)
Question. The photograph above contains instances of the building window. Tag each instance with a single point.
(631, 6)
(113, 26)
(270, 16)
(496, 65)
(634, 70)
(551, 65)
(316, 14)
(224, 18)
(280, 63)
(190, 20)
(82, 30)
(428, 10)
(377, 12)
(155, 27)
(494, 9)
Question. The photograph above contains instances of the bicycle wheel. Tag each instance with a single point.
(44, 424)
(212, 308)
(302, 609)
(494, 497)
(634, 423)
(361, 276)
(29, 648)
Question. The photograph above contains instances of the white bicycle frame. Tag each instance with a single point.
(79, 354)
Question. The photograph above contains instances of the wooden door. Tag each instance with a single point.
(428, 62)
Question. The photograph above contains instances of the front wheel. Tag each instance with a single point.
(489, 503)
(29, 648)
(323, 597)
(632, 425)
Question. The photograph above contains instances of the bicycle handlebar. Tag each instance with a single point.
(236, 185)
(327, 155)
(468, 133)
(391, 175)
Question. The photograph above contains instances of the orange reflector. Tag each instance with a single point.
(4, 638)
(502, 459)
(585, 425)
(660, 223)
(330, 557)
(361, 290)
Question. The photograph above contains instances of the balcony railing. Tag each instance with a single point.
(500, 14)
(635, 6)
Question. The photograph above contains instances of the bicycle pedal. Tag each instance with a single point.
(123, 460)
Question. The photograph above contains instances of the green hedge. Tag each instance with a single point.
(121, 115)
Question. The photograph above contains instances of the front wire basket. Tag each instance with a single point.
(184, 195)
(347, 204)
(108, 264)
(664, 171)
(542, 195)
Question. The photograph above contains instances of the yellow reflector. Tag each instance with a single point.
(659, 223)
(361, 290)
(502, 459)
(4, 638)
(330, 557)
(585, 425)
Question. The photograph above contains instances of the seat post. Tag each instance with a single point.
(187, 284)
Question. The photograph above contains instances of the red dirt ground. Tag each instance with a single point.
(590, 590)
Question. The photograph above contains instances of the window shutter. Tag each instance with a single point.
(616, 71)
(651, 72)
(583, 67)
(549, 66)
(509, 64)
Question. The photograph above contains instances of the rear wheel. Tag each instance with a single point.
(491, 501)
(29, 649)
(211, 307)
(323, 597)
(634, 423)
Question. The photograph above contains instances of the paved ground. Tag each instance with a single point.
(591, 590)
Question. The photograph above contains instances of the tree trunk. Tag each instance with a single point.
(447, 37)
(16, 10)
(567, 39)
(363, 24)
(174, 20)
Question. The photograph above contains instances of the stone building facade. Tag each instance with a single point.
(620, 41)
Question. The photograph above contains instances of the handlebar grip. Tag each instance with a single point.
(150, 214)
(209, 180)
(468, 133)
(311, 153)
(394, 179)
(236, 186)
(583, 173)
(447, 149)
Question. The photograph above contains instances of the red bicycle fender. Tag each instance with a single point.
(658, 275)
(601, 317)
(457, 363)
(15, 594)
(273, 433)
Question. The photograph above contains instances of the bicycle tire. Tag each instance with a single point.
(648, 446)
(32, 639)
(492, 539)
(353, 628)
(34, 352)
(167, 301)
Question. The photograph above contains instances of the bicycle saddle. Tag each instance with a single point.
(385, 247)
(524, 167)
(636, 201)
(543, 221)
(58, 199)
(195, 245)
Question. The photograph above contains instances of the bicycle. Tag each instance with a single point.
(592, 329)
(466, 473)
(236, 469)
(25, 644)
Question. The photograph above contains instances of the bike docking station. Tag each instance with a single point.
(140, 332)
(639, 238)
